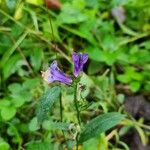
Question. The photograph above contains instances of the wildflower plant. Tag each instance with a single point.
(55, 74)
(74, 106)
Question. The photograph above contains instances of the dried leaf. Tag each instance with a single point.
(53, 4)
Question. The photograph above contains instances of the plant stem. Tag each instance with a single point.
(77, 141)
(61, 114)
(77, 110)
(61, 108)
(76, 103)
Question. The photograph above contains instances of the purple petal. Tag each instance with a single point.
(58, 75)
(76, 60)
(50, 78)
(55, 74)
(75, 57)
(53, 65)
(79, 60)
(84, 58)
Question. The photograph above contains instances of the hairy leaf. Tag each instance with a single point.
(46, 102)
(99, 125)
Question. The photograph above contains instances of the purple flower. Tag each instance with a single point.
(55, 74)
(79, 60)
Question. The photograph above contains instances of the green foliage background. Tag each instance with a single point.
(31, 37)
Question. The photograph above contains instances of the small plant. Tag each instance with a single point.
(82, 133)
(68, 108)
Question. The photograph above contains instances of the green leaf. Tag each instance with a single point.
(77, 2)
(85, 30)
(123, 78)
(15, 88)
(4, 103)
(10, 51)
(147, 86)
(49, 125)
(3, 145)
(46, 102)
(147, 44)
(135, 86)
(16, 30)
(124, 130)
(95, 54)
(36, 58)
(11, 66)
(13, 131)
(8, 112)
(94, 67)
(87, 82)
(119, 2)
(93, 3)
(99, 142)
(39, 145)
(33, 125)
(30, 84)
(103, 83)
(99, 125)
(91, 144)
(110, 43)
(110, 57)
(70, 15)
(18, 100)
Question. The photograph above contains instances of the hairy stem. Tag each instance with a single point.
(76, 103)
(61, 108)
(77, 141)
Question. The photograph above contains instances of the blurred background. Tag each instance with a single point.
(116, 36)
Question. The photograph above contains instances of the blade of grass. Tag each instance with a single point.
(3, 29)
(141, 134)
(22, 54)
(135, 38)
(10, 51)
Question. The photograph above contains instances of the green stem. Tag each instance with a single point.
(132, 122)
(61, 114)
(61, 109)
(77, 110)
(76, 103)
(77, 141)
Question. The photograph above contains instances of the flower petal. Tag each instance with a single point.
(84, 58)
(55, 74)
(47, 76)
(59, 75)
(79, 60)
(75, 57)
(53, 66)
